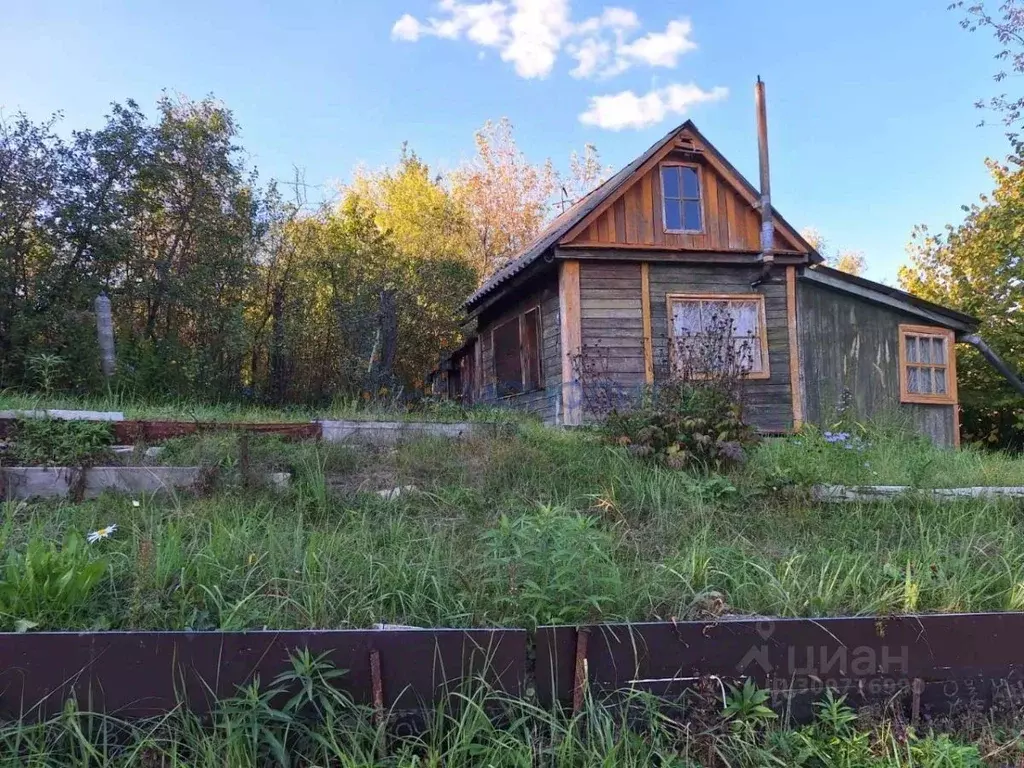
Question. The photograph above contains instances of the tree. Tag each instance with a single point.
(434, 268)
(585, 174)
(1006, 23)
(851, 262)
(507, 197)
(978, 268)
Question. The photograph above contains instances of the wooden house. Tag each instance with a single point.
(634, 266)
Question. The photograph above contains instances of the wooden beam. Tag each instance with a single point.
(618, 252)
(645, 309)
(796, 391)
(572, 341)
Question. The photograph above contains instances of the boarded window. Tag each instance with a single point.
(680, 196)
(927, 370)
(718, 334)
(516, 344)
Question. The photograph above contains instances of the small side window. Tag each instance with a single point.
(927, 366)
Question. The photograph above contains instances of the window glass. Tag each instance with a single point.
(691, 187)
(673, 218)
(691, 215)
(670, 182)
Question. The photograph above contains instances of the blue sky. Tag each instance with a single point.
(871, 116)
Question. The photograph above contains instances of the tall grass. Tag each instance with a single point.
(184, 409)
(534, 527)
(302, 719)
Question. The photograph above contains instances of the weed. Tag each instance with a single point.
(60, 443)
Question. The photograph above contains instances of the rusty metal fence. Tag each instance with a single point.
(929, 665)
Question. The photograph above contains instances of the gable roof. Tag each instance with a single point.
(568, 219)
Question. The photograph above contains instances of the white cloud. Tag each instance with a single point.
(530, 34)
(661, 49)
(406, 28)
(617, 111)
(591, 55)
(538, 28)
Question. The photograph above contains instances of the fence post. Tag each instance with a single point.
(105, 334)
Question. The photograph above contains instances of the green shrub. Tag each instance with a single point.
(60, 442)
(552, 567)
(49, 586)
(685, 424)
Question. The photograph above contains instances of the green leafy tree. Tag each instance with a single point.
(978, 267)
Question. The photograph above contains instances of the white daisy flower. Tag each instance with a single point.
(102, 533)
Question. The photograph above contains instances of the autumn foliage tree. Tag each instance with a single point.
(507, 197)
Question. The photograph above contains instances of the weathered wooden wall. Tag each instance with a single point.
(545, 402)
(635, 218)
(852, 344)
(612, 326)
(611, 322)
(768, 402)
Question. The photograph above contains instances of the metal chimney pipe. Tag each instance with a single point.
(767, 227)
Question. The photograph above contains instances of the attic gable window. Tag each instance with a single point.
(927, 365)
(680, 198)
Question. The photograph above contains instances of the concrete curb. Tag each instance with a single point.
(391, 432)
(844, 493)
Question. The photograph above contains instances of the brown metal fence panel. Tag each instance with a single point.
(929, 664)
(139, 674)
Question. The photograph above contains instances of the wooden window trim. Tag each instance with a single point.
(762, 321)
(701, 201)
(935, 332)
(520, 318)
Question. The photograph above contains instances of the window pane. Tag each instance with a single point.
(716, 318)
(744, 318)
(911, 342)
(670, 181)
(924, 350)
(673, 216)
(686, 317)
(938, 350)
(691, 215)
(914, 379)
(919, 381)
(691, 184)
(939, 381)
(748, 355)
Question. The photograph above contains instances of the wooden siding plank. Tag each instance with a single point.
(646, 210)
(632, 210)
(723, 221)
(645, 295)
(658, 218)
(620, 220)
(572, 341)
(794, 355)
(710, 208)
